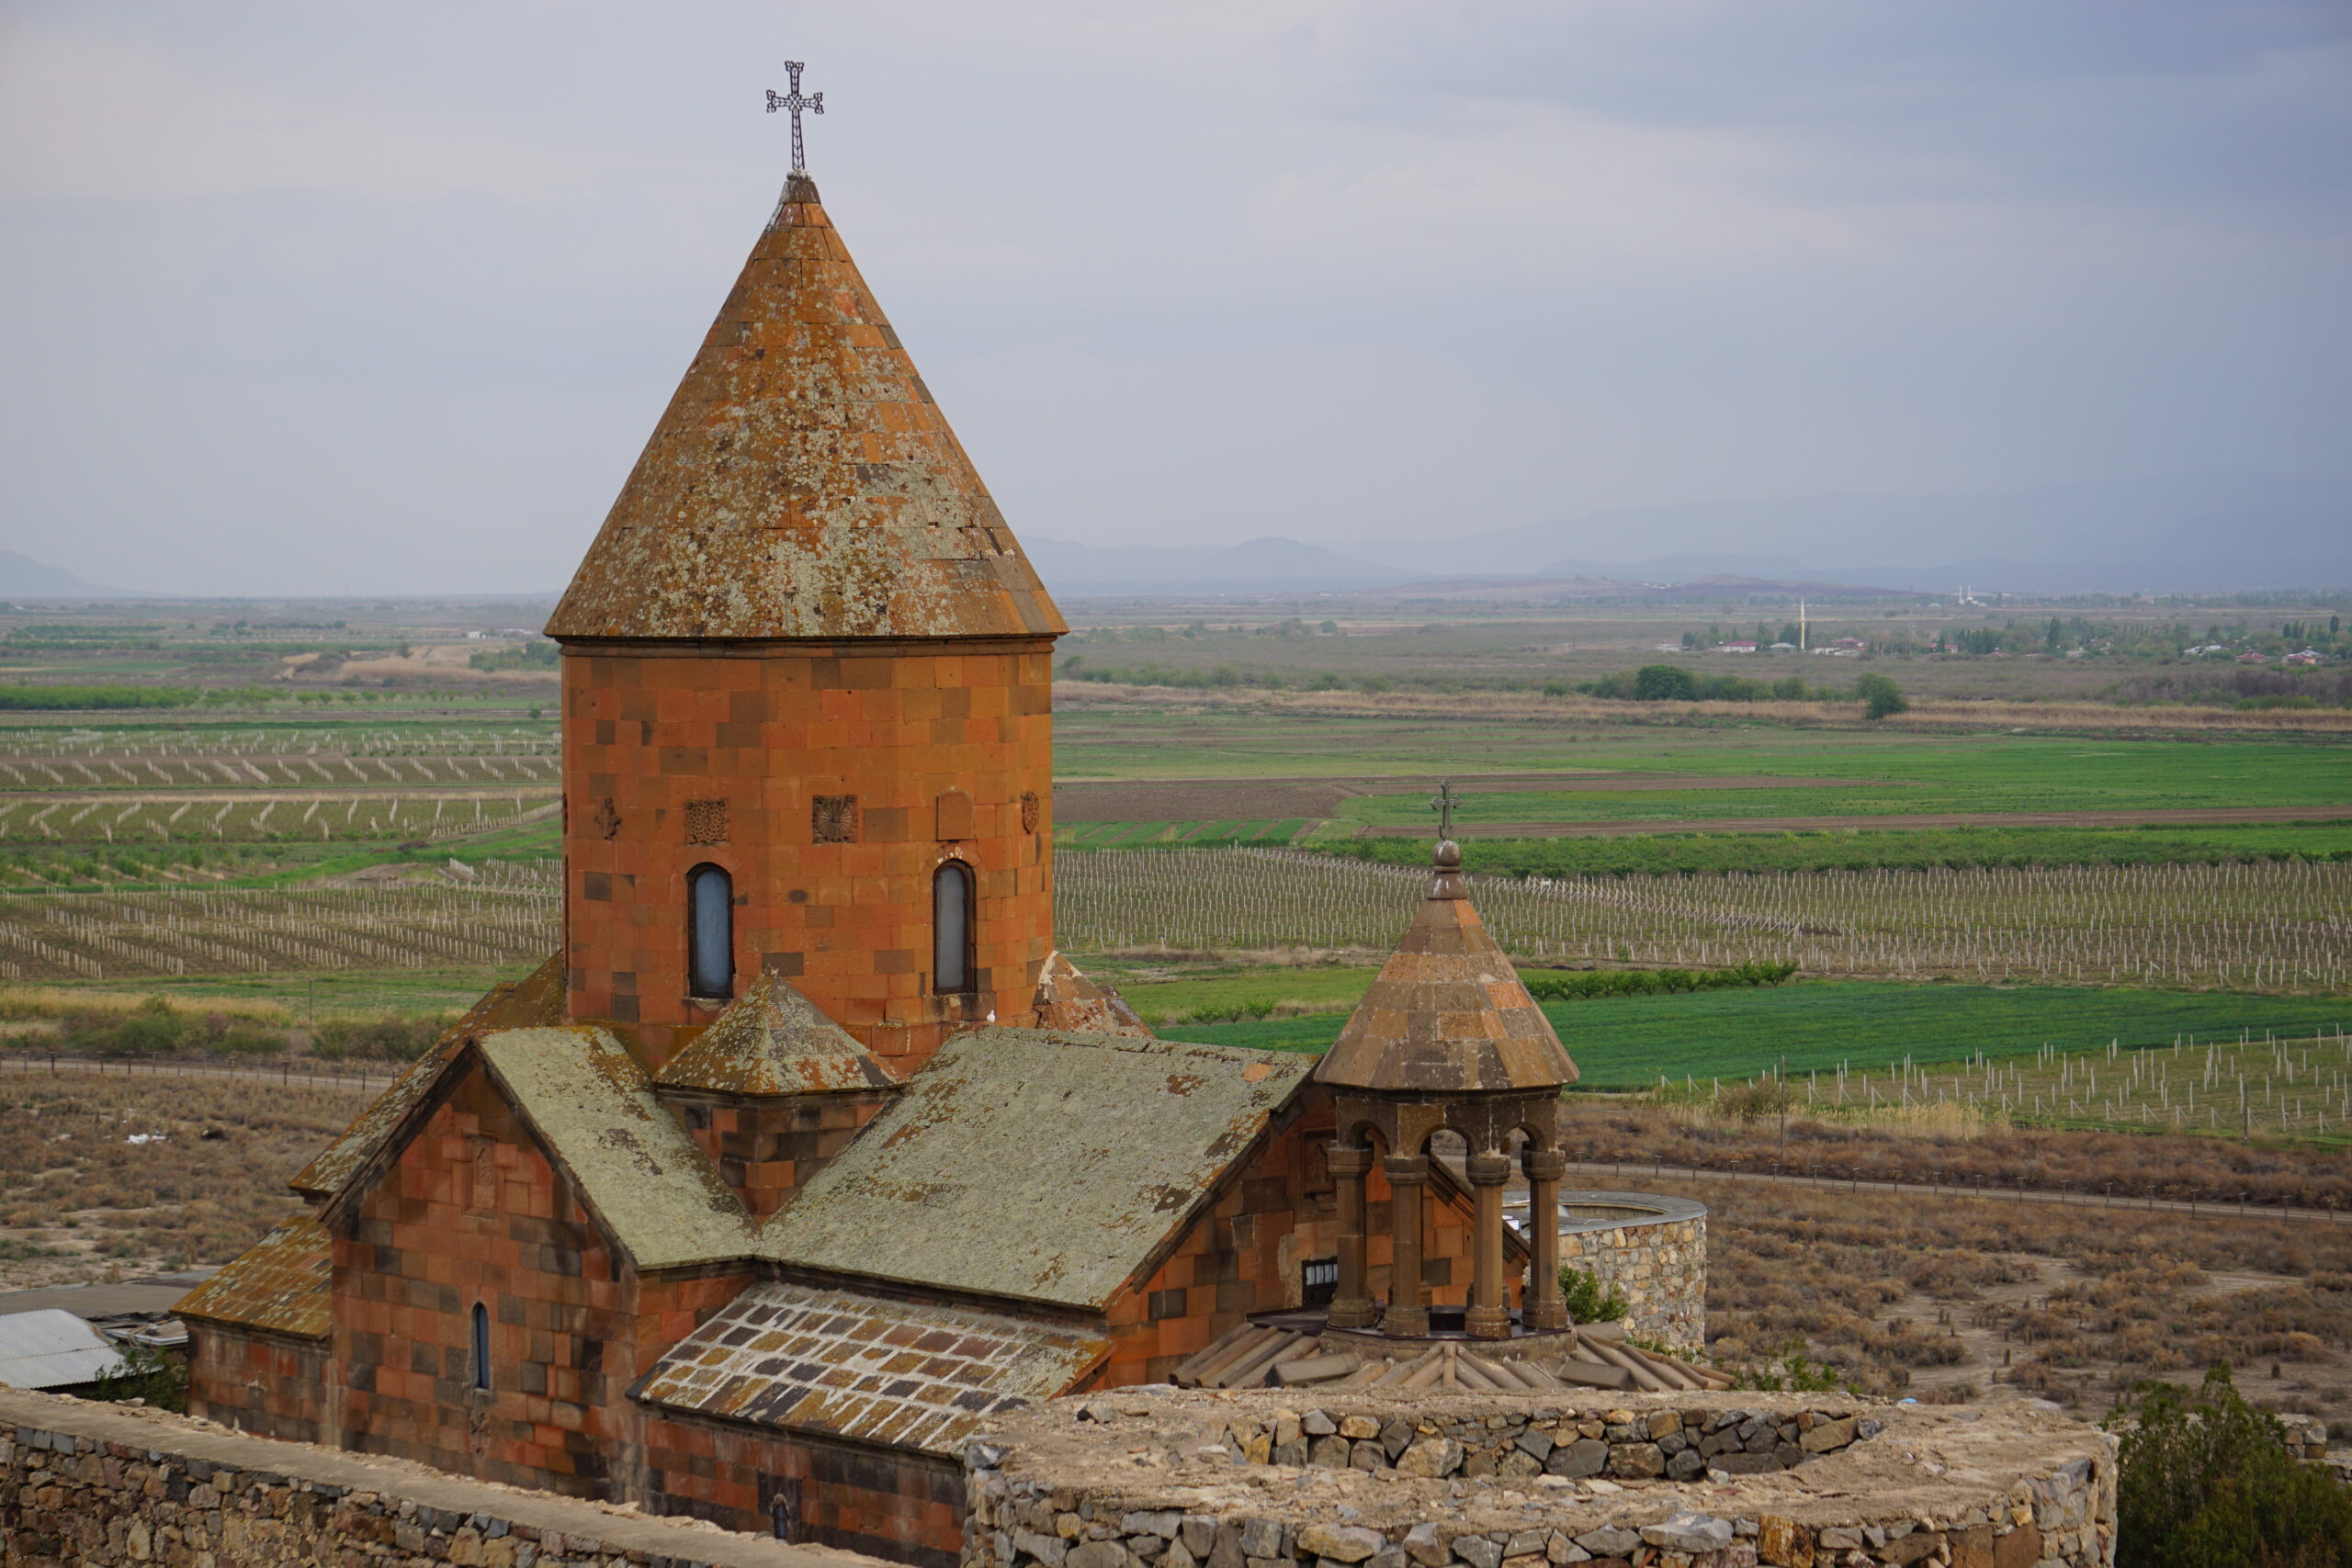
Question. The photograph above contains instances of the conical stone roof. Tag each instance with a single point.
(1447, 1013)
(802, 483)
(773, 1041)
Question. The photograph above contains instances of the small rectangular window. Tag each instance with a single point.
(1318, 1281)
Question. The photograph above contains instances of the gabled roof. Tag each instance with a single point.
(537, 998)
(280, 1283)
(53, 1349)
(1068, 1000)
(1447, 1012)
(773, 1041)
(1033, 1166)
(852, 1366)
(593, 1105)
(802, 483)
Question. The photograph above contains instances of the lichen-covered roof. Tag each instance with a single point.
(593, 1105)
(1447, 1013)
(773, 1041)
(535, 999)
(280, 1283)
(1068, 1000)
(852, 1366)
(1034, 1165)
(802, 483)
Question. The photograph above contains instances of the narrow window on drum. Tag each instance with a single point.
(710, 932)
(951, 929)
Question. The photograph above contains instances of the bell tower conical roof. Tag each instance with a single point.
(802, 483)
(1447, 1012)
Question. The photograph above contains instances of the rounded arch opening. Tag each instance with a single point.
(710, 932)
(953, 890)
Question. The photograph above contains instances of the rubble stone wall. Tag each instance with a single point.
(84, 1484)
(1185, 1479)
(1652, 1250)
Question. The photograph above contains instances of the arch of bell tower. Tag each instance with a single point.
(806, 650)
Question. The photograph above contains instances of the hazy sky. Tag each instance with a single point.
(337, 296)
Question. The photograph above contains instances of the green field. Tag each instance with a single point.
(1626, 1043)
(1847, 849)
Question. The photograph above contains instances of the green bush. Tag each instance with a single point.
(387, 1040)
(23, 697)
(1575, 985)
(1878, 695)
(2206, 1481)
(1587, 1301)
(156, 1377)
(1665, 684)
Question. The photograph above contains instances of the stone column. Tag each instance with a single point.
(1489, 1314)
(1352, 1305)
(1542, 1306)
(1409, 1311)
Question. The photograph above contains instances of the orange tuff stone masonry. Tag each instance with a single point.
(831, 781)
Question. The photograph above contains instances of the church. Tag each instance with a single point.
(807, 1151)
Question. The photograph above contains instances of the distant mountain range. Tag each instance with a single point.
(2182, 533)
(21, 577)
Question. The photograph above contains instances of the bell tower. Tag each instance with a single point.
(806, 691)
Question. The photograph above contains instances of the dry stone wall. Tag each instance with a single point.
(1651, 1250)
(84, 1484)
(1194, 1478)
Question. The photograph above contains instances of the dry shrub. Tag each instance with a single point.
(208, 1188)
(1990, 1157)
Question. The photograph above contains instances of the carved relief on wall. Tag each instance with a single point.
(832, 819)
(706, 821)
(1033, 810)
(608, 821)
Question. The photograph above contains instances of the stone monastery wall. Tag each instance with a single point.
(1170, 1480)
(89, 1484)
(1649, 1249)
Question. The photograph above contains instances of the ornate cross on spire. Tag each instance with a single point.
(796, 102)
(1444, 803)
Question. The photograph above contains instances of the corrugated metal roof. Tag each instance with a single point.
(281, 1283)
(594, 1104)
(537, 998)
(801, 483)
(853, 1366)
(773, 1041)
(1447, 1013)
(1035, 1166)
(53, 1349)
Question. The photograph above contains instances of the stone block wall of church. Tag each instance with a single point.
(829, 783)
(473, 1211)
(1248, 1254)
(767, 1150)
(903, 1507)
(274, 1385)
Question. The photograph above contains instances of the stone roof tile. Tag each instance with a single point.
(1035, 1166)
(773, 1041)
(281, 1283)
(1447, 1012)
(802, 483)
(845, 1365)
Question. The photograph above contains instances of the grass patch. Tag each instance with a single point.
(1626, 1043)
(1670, 853)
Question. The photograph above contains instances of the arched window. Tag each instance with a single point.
(951, 928)
(710, 932)
(481, 1346)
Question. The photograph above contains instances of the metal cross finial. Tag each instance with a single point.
(796, 102)
(1444, 803)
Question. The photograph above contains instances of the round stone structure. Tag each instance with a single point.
(1649, 1248)
(1161, 1478)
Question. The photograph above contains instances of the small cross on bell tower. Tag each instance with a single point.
(795, 102)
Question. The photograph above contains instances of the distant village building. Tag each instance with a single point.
(807, 1151)
(1735, 646)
